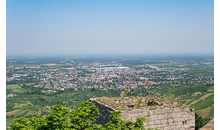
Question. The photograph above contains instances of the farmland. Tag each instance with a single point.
(202, 102)
(35, 85)
(16, 88)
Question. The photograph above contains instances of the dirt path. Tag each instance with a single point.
(202, 98)
(188, 100)
(23, 104)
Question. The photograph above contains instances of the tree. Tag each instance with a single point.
(58, 118)
(200, 122)
(20, 123)
(83, 117)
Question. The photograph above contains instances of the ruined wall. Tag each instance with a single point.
(164, 119)
(169, 118)
(104, 110)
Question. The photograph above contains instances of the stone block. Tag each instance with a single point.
(173, 114)
(163, 121)
(150, 123)
(134, 111)
(176, 119)
(162, 125)
(178, 114)
(152, 126)
(166, 128)
(186, 109)
(157, 122)
(153, 117)
(131, 115)
(184, 115)
(161, 116)
(170, 120)
(181, 119)
(140, 115)
(191, 119)
(158, 126)
(169, 110)
(145, 113)
(139, 110)
(176, 110)
(162, 111)
(157, 111)
(167, 115)
(151, 112)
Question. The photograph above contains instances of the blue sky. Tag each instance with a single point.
(110, 27)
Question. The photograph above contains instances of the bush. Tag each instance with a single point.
(83, 117)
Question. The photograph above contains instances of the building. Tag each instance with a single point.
(203, 117)
(10, 95)
(211, 116)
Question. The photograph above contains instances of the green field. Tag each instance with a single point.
(202, 107)
(204, 103)
(16, 88)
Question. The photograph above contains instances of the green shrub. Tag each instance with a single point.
(83, 117)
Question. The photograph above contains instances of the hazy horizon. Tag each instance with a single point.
(109, 27)
(113, 55)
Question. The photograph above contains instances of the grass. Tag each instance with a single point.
(31, 108)
(204, 103)
(169, 92)
(211, 111)
(202, 99)
(211, 97)
(204, 112)
(28, 84)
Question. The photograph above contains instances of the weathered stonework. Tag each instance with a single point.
(171, 116)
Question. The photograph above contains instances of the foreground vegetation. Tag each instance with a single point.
(83, 117)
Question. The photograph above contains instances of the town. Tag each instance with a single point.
(111, 76)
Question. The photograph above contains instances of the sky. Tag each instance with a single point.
(109, 27)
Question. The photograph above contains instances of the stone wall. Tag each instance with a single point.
(105, 112)
(169, 118)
